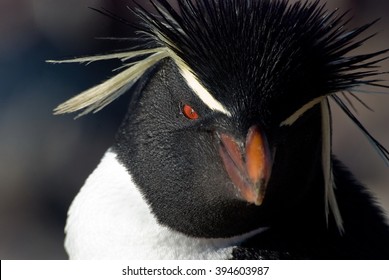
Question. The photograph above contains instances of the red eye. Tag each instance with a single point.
(189, 112)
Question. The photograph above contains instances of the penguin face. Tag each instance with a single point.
(207, 173)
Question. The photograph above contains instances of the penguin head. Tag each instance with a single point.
(230, 124)
(208, 173)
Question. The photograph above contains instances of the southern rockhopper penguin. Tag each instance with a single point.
(225, 152)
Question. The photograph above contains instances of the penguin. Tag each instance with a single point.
(225, 152)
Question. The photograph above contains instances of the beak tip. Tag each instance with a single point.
(260, 195)
(259, 200)
(258, 203)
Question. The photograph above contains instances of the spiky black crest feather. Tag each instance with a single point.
(299, 51)
(249, 44)
(244, 46)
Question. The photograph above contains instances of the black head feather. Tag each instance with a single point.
(294, 52)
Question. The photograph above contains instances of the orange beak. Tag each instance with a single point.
(248, 165)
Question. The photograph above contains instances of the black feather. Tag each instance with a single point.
(112, 15)
(297, 52)
(248, 44)
(382, 151)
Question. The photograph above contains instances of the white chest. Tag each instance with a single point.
(109, 219)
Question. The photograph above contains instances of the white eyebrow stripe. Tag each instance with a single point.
(202, 92)
(195, 84)
(296, 115)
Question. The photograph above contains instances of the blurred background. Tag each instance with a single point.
(45, 159)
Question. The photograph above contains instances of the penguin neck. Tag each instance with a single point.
(110, 219)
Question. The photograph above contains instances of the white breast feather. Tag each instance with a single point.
(109, 219)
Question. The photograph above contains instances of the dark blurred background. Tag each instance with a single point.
(44, 159)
